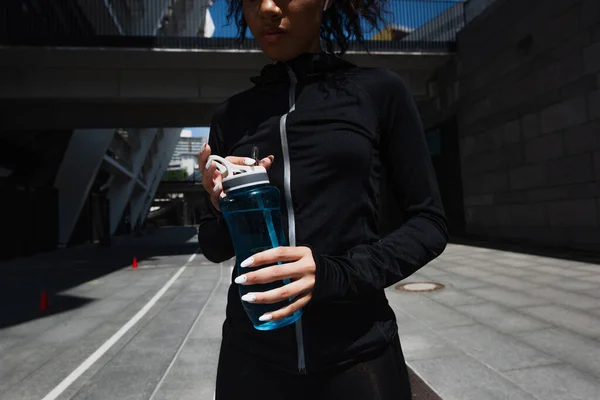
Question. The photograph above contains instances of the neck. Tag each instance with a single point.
(314, 48)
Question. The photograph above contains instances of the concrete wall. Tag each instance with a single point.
(529, 121)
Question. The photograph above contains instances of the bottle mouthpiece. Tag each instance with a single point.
(239, 176)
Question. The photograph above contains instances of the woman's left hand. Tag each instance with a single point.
(298, 265)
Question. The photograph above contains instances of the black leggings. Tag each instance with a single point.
(240, 376)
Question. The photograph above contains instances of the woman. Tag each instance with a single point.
(334, 133)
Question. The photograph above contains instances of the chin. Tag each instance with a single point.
(279, 53)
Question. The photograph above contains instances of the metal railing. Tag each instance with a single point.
(410, 25)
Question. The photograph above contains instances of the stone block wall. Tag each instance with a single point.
(529, 122)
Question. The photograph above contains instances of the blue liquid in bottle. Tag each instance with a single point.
(252, 212)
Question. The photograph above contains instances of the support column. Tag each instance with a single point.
(164, 148)
(148, 22)
(102, 17)
(185, 212)
(76, 175)
(121, 191)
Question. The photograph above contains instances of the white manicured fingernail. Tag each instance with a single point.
(241, 279)
(203, 148)
(249, 298)
(207, 166)
(247, 262)
(249, 161)
(266, 317)
(217, 186)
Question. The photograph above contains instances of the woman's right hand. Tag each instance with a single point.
(211, 177)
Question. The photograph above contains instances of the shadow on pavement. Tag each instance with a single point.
(420, 390)
(558, 252)
(23, 280)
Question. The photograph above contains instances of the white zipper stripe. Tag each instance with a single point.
(287, 181)
(287, 188)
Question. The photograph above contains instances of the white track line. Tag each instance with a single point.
(181, 346)
(61, 387)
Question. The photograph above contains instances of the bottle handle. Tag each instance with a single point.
(226, 167)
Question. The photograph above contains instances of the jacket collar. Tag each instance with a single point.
(306, 67)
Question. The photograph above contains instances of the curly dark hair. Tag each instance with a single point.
(341, 21)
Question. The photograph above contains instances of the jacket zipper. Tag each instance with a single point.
(288, 199)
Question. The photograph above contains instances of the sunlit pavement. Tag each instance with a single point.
(505, 326)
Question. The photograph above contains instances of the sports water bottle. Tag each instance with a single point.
(251, 209)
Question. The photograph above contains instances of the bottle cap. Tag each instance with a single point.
(239, 176)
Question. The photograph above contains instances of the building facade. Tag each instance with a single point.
(524, 96)
(185, 155)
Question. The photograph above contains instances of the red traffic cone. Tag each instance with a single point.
(43, 301)
(135, 263)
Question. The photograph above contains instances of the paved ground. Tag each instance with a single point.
(506, 326)
(168, 352)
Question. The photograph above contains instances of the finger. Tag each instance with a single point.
(208, 176)
(286, 292)
(210, 164)
(203, 156)
(274, 273)
(217, 183)
(288, 310)
(211, 181)
(266, 162)
(274, 255)
(217, 190)
(241, 160)
(207, 181)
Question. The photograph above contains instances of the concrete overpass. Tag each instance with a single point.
(71, 88)
(115, 82)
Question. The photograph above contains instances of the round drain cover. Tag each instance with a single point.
(419, 286)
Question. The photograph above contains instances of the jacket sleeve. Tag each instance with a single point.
(423, 236)
(213, 234)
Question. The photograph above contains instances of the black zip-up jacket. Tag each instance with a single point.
(339, 132)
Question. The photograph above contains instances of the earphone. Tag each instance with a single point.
(326, 5)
